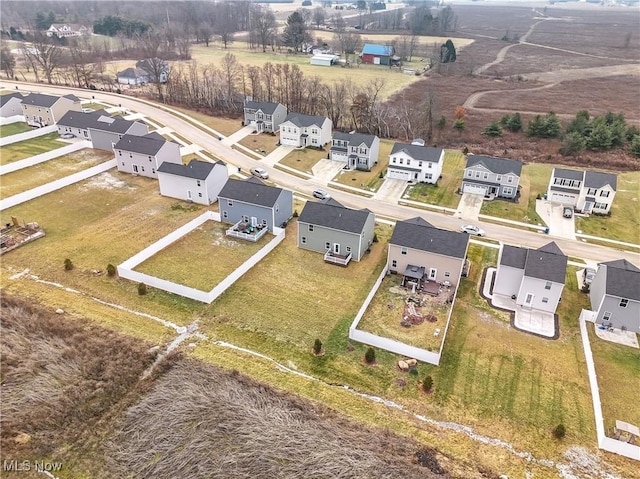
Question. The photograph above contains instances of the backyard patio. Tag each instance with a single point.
(248, 231)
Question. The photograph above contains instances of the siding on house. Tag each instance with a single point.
(492, 176)
(264, 116)
(615, 295)
(415, 163)
(587, 191)
(305, 130)
(357, 150)
(44, 110)
(198, 181)
(11, 104)
(142, 155)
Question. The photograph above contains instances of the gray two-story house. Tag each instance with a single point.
(44, 110)
(253, 202)
(103, 130)
(11, 104)
(586, 191)
(491, 177)
(143, 155)
(357, 150)
(615, 295)
(341, 233)
(264, 116)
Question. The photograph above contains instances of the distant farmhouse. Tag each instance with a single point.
(64, 30)
(199, 181)
(379, 54)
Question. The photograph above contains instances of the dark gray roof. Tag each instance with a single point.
(424, 153)
(301, 120)
(418, 234)
(196, 169)
(623, 279)
(595, 179)
(335, 216)
(267, 107)
(156, 135)
(96, 120)
(251, 191)
(40, 99)
(568, 174)
(355, 139)
(5, 98)
(500, 166)
(513, 256)
(140, 144)
(71, 97)
(132, 72)
(548, 263)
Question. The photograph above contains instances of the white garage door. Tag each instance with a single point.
(474, 189)
(563, 198)
(399, 175)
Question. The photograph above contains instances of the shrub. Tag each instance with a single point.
(111, 270)
(493, 129)
(459, 125)
(465, 151)
(427, 383)
(515, 123)
(317, 346)
(142, 289)
(381, 175)
(375, 237)
(68, 265)
(295, 213)
(442, 122)
(559, 431)
(370, 355)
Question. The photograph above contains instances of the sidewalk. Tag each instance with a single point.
(276, 155)
(238, 135)
(28, 135)
(46, 156)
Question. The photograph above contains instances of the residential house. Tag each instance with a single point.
(491, 177)
(357, 150)
(615, 295)
(339, 232)
(305, 130)
(156, 68)
(254, 202)
(586, 191)
(415, 163)
(103, 130)
(421, 252)
(199, 181)
(143, 155)
(44, 110)
(133, 76)
(11, 104)
(534, 277)
(264, 116)
(378, 54)
(64, 30)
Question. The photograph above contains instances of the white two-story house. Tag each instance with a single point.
(305, 130)
(142, 155)
(615, 295)
(417, 163)
(264, 116)
(491, 177)
(199, 181)
(587, 191)
(358, 151)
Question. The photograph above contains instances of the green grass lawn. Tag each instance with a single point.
(27, 178)
(96, 106)
(200, 246)
(262, 144)
(13, 129)
(226, 126)
(303, 160)
(370, 179)
(29, 148)
(444, 194)
(624, 222)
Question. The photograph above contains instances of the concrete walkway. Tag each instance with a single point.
(551, 214)
(46, 156)
(28, 135)
(238, 135)
(276, 155)
(469, 207)
(189, 149)
(391, 190)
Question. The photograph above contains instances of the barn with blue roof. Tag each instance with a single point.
(378, 54)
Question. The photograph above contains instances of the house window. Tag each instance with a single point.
(225, 214)
(547, 285)
(310, 227)
(200, 195)
(624, 303)
(529, 298)
(428, 176)
(394, 264)
(477, 174)
(123, 163)
(264, 222)
(314, 141)
(509, 179)
(401, 161)
(605, 194)
(499, 178)
(327, 246)
(447, 274)
(507, 191)
(430, 165)
(348, 249)
(408, 161)
(606, 316)
(153, 171)
(142, 168)
(600, 206)
(198, 182)
(130, 155)
(119, 153)
(314, 131)
(403, 251)
(485, 176)
(149, 158)
(591, 191)
(277, 208)
(229, 203)
(303, 240)
(469, 173)
(245, 218)
(545, 300)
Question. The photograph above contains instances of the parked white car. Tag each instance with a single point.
(472, 230)
(260, 173)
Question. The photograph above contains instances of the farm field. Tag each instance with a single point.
(445, 192)
(13, 129)
(370, 179)
(29, 148)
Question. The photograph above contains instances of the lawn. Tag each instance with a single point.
(212, 257)
(445, 192)
(370, 179)
(95, 106)
(533, 181)
(28, 178)
(624, 222)
(617, 368)
(13, 129)
(303, 160)
(386, 310)
(29, 148)
(226, 126)
(262, 144)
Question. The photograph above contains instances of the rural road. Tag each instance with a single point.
(226, 153)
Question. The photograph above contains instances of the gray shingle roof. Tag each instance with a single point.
(418, 234)
(568, 174)
(354, 139)
(251, 191)
(623, 279)
(267, 107)
(500, 166)
(595, 179)
(96, 120)
(301, 120)
(140, 144)
(547, 262)
(417, 152)
(5, 98)
(40, 99)
(196, 169)
(334, 216)
(513, 256)
(132, 72)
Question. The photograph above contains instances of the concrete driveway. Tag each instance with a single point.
(276, 155)
(551, 214)
(391, 190)
(238, 135)
(469, 207)
(326, 170)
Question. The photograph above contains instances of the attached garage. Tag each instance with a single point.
(563, 198)
(399, 174)
(474, 189)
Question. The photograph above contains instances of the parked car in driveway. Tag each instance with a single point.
(472, 230)
(588, 275)
(321, 194)
(260, 173)
(567, 212)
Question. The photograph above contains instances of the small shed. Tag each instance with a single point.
(324, 59)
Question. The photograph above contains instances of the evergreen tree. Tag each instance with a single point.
(551, 126)
(535, 127)
(515, 123)
(448, 52)
(632, 132)
(370, 356)
(493, 129)
(635, 146)
(295, 33)
(572, 144)
(601, 137)
(458, 125)
(580, 124)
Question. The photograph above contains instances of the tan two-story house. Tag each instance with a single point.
(44, 110)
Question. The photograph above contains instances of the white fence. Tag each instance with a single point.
(7, 120)
(125, 270)
(8, 140)
(55, 185)
(42, 157)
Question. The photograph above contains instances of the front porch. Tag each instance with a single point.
(335, 258)
(246, 231)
